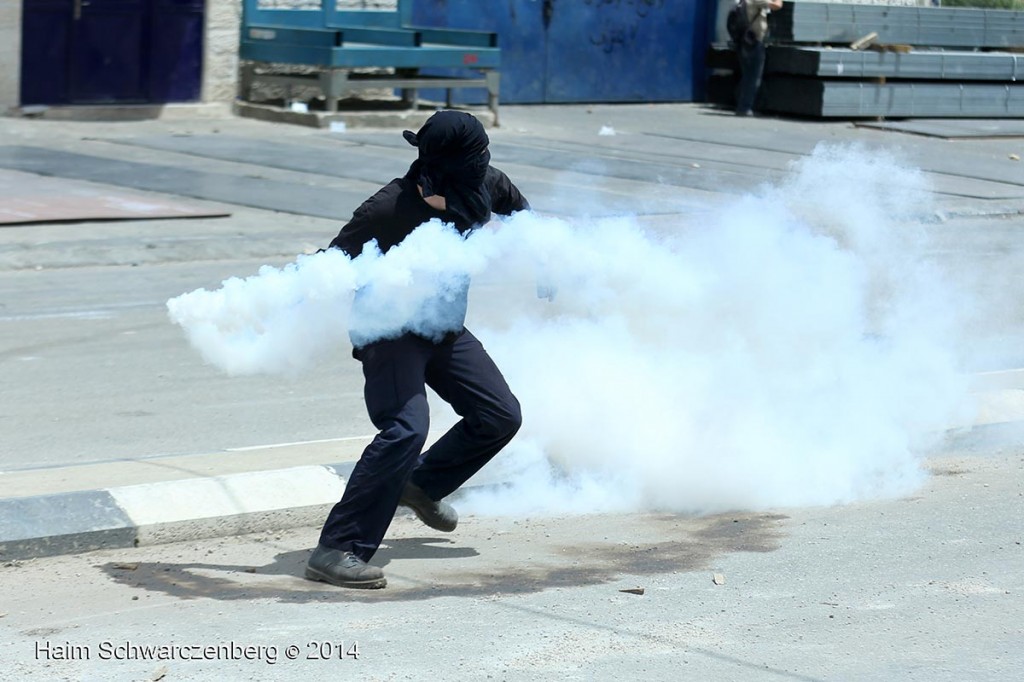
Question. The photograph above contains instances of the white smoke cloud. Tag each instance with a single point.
(275, 321)
(791, 349)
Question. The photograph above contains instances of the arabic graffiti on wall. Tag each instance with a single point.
(621, 21)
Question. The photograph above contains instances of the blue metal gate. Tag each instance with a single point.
(589, 50)
(111, 51)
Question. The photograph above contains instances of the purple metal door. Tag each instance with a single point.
(45, 43)
(107, 47)
(111, 51)
(176, 51)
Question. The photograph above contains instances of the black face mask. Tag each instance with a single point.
(453, 161)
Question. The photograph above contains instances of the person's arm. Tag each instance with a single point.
(359, 229)
(756, 7)
(506, 198)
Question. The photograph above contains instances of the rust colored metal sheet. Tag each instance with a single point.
(27, 198)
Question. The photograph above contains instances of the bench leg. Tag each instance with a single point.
(409, 95)
(245, 82)
(334, 85)
(493, 83)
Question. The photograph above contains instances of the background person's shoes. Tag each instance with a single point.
(438, 515)
(343, 569)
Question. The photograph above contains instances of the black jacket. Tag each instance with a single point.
(390, 215)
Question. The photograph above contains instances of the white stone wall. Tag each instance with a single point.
(10, 54)
(220, 51)
(342, 4)
(367, 4)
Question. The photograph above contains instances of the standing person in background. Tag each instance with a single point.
(451, 180)
(751, 52)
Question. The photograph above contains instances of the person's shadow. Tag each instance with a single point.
(283, 579)
(193, 580)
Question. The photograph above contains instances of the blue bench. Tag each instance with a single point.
(335, 42)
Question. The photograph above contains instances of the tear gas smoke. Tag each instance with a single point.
(790, 349)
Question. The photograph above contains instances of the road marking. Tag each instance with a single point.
(96, 314)
(301, 442)
(80, 315)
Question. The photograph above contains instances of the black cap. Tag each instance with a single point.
(450, 133)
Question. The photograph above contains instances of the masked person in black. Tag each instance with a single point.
(451, 180)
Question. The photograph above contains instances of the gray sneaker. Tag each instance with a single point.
(343, 569)
(436, 514)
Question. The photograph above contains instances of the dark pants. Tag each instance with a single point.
(397, 371)
(751, 58)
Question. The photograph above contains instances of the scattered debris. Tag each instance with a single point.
(606, 130)
(250, 570)
(633, 590)
(159, 674)
(125, 565)
(33, 110)
(718, 578)
(901, 49)
(1014, 157)
(864, 41)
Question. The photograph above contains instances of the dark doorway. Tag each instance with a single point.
(111, 51)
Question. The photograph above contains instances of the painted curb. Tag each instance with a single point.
(168, 511)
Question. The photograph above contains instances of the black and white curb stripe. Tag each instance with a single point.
(168, 511)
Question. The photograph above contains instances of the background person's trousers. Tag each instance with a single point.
(397, 371)
(752, 57)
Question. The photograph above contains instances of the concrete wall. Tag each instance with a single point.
(10, 54)
(220, 52)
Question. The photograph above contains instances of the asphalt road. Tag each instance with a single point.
(97, 374)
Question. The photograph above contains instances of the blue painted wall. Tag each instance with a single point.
(589, 50)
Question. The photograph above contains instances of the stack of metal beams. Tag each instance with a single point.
(922, 62)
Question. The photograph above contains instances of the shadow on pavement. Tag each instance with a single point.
(682, 544)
